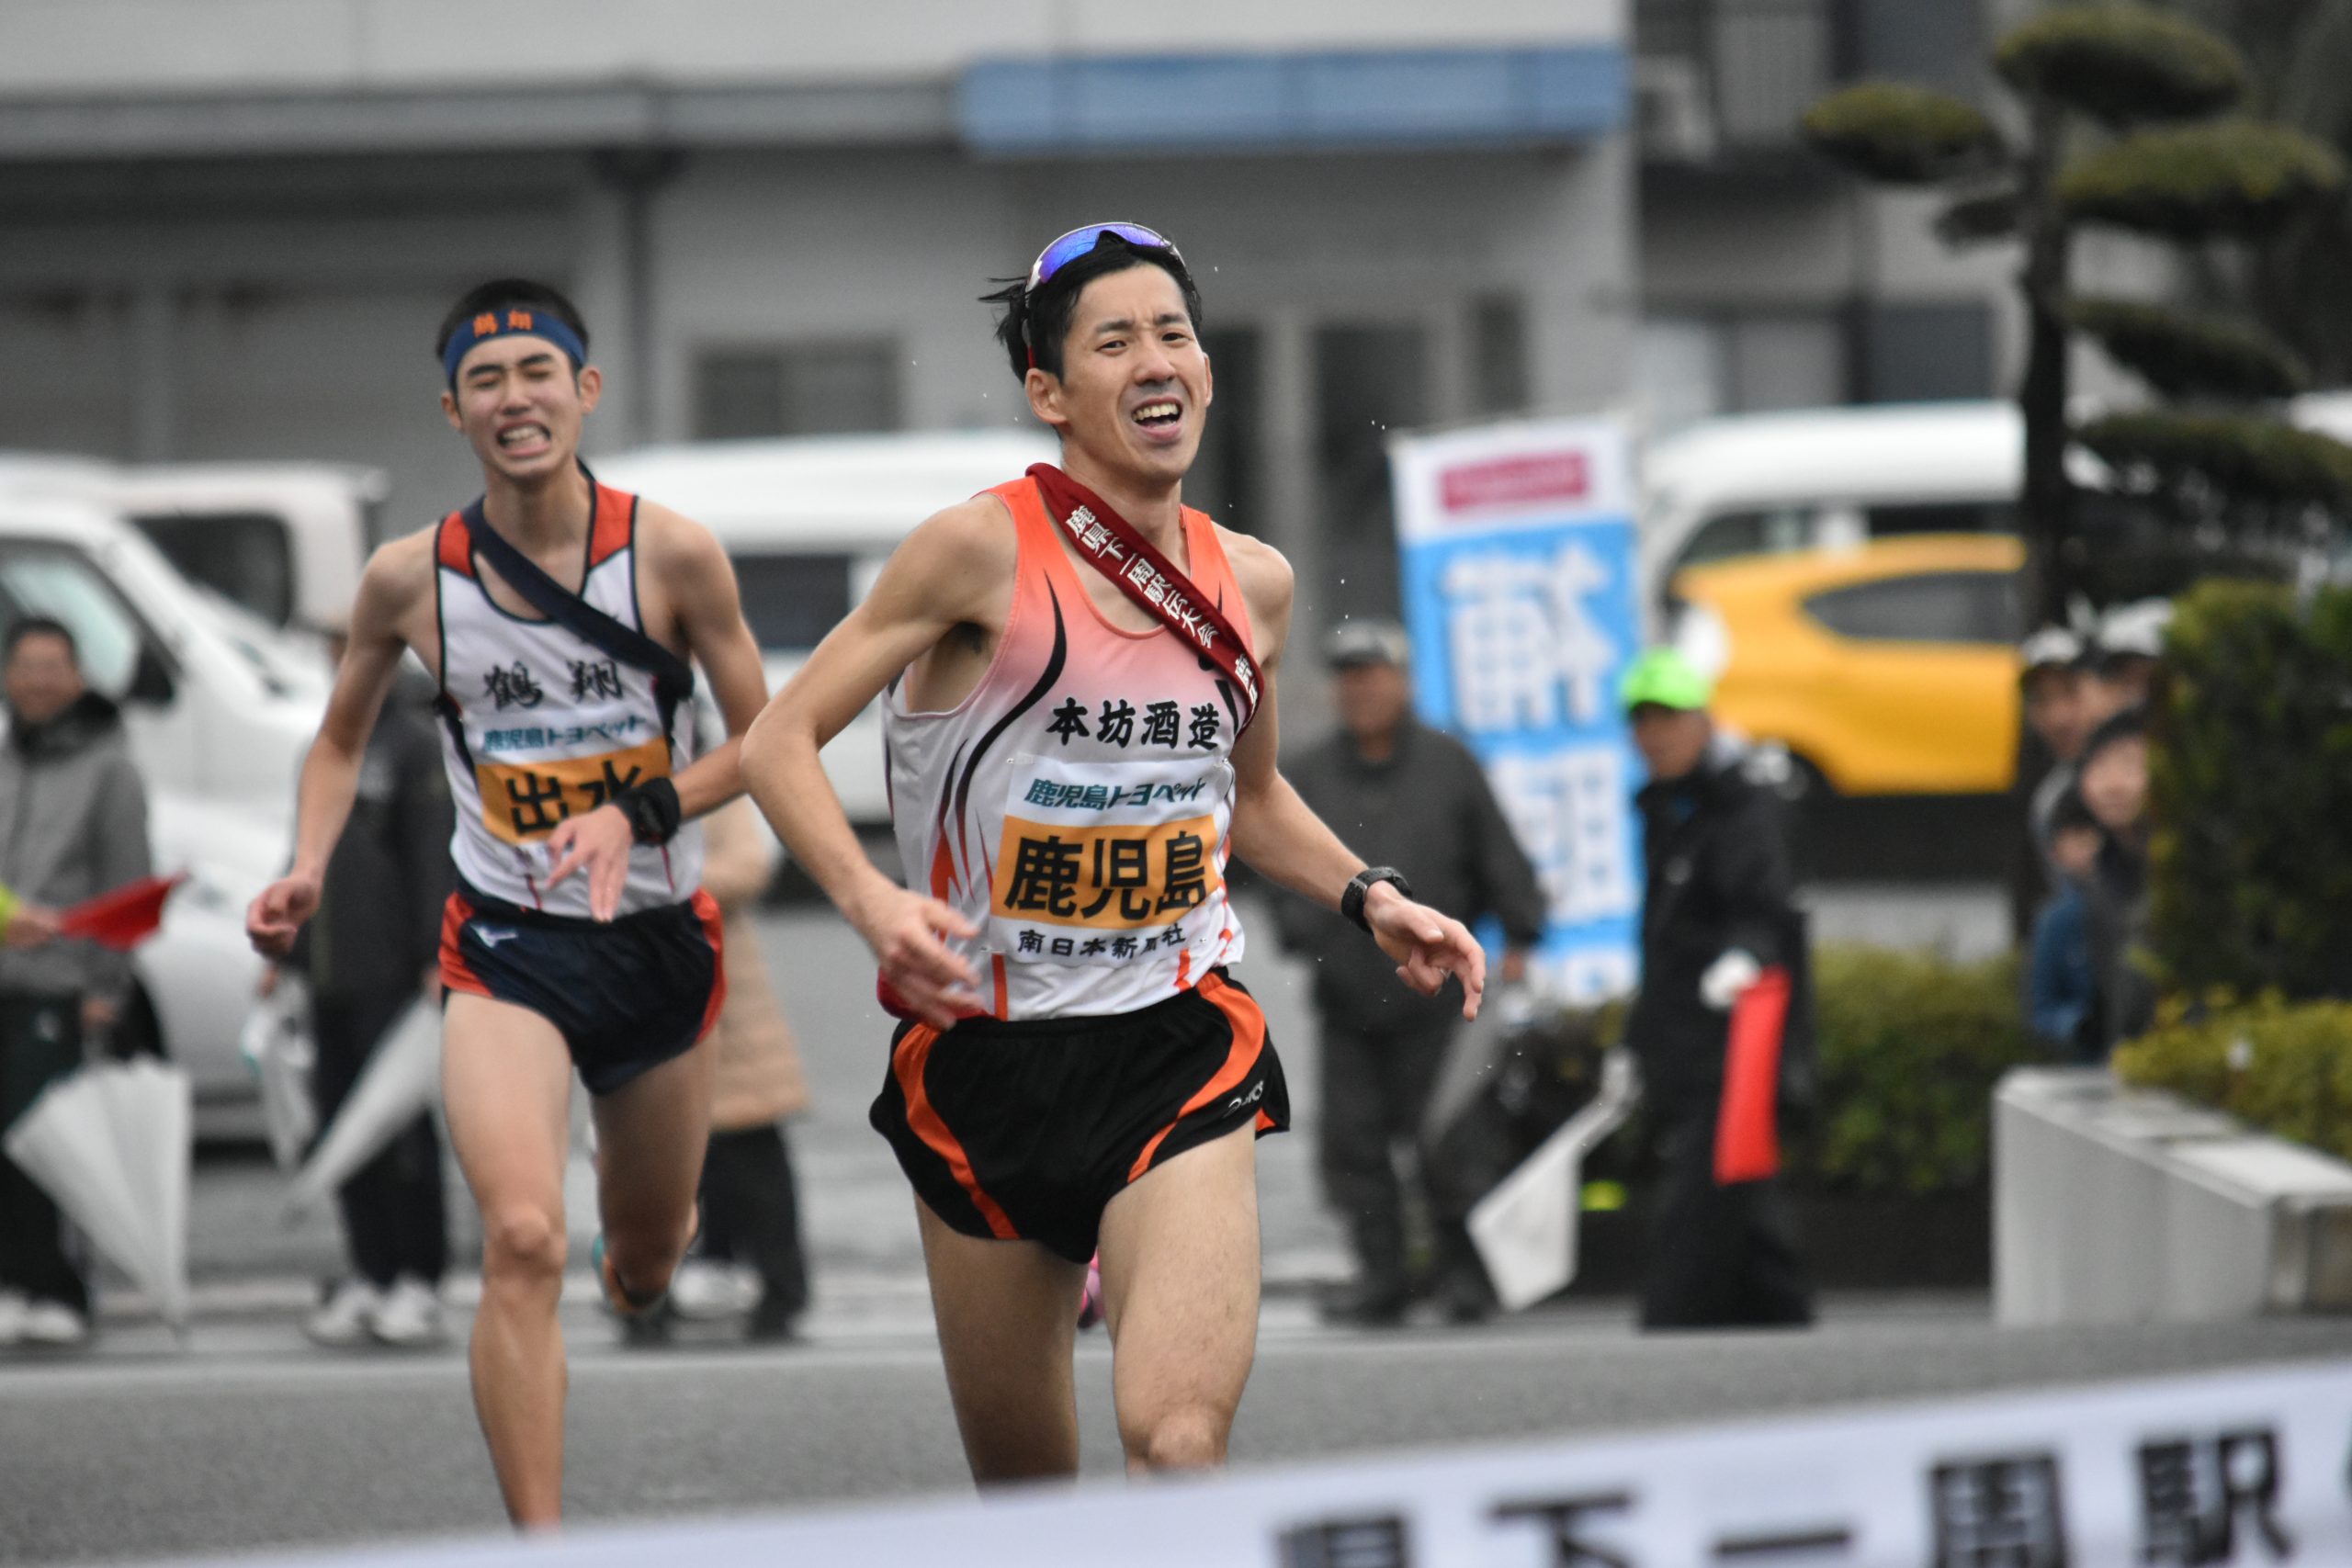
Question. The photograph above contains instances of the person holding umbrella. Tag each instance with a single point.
(1721, 954)
(73, 825)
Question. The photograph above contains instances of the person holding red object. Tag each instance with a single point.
(73, 826)
(1721, 1025)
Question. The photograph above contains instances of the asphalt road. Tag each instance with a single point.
(246, 1438)
(142, 1455)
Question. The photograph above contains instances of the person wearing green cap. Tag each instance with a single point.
(1716, 916)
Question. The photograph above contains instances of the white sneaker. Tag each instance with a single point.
(345, 1319)
(54, 1322)
(704, 1289)
(408, 1315)
(12, 1317)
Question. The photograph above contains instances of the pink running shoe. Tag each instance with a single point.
(1089, 1301)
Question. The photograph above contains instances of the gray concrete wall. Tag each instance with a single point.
(62, 47)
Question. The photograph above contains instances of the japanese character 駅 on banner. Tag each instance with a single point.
(1522, 594)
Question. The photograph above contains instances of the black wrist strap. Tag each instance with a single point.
(1360, 887)
(652, 810)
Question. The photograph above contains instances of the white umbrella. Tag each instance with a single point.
(110, 1144)
(402, 1081)
(1525, 1229)
(276, 1044)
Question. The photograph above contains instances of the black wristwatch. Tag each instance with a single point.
(652, 810)
(1351, 901)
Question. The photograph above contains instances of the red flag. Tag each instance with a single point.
(124, 918)
(1747, 1141)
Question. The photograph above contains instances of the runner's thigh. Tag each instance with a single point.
(1180, 1284)
(507, 1080)
(1007, 1316)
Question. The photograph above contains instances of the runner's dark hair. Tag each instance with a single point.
(1042, 319)
(500, 292)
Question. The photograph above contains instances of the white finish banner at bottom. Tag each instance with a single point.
(2244, 1467)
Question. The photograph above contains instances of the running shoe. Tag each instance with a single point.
(12, 1317)
(1090, 1299)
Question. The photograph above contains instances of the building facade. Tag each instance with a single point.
(227, 228)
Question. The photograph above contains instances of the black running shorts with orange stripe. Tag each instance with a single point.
(1026, 1131)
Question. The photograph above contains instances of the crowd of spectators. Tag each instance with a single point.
(2085, 701)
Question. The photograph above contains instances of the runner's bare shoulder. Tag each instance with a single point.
(397, 585)
(674, 548)
(956, 564)
(1267, 584)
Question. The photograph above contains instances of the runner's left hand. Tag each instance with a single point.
(1427, 946)
(598, 843)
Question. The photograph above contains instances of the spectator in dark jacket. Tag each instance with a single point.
(1716, 914)
(73, 824)
(1400, 794)
(370, 953)
(2061, 981)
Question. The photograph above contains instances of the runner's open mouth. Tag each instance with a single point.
(1158, 415)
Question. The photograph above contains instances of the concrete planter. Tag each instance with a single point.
(2122, 1205)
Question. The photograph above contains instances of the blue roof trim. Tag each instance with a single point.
(1275, 102)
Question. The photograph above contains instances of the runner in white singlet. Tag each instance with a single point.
(579, 935)
(1069, 781)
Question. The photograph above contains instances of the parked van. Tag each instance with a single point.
(1763, 483)
(284, 540)
(809, 521)
(1760, 484)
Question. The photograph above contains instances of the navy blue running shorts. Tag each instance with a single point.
(1025, 1131)
(627, 995)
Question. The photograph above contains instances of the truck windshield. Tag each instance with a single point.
(244, 556)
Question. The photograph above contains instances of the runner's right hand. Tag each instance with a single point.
(906, 931)
(274, 918)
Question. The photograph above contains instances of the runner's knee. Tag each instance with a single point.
(523, 1243)
(1192, 1438)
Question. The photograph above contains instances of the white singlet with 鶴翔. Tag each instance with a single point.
(1075, 807)
(539, 725)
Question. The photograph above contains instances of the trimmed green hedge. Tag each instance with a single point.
(2251, 782)
(2120, 63)
(1906, 135)
(1910, 1048)
(2285, 1067)
(2199, 182)
(2186, 355)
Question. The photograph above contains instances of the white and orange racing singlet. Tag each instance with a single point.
(540, 723)
(1075, 807)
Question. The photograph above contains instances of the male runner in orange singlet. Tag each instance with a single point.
(580, 935)
(1069, 779)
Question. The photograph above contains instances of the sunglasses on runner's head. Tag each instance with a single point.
(1080, 240)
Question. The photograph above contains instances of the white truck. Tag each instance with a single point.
(809, 521)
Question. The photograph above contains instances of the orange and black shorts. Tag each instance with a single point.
(1026, 1131)
(627, 995)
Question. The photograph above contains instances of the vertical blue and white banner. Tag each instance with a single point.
(1521, 592)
